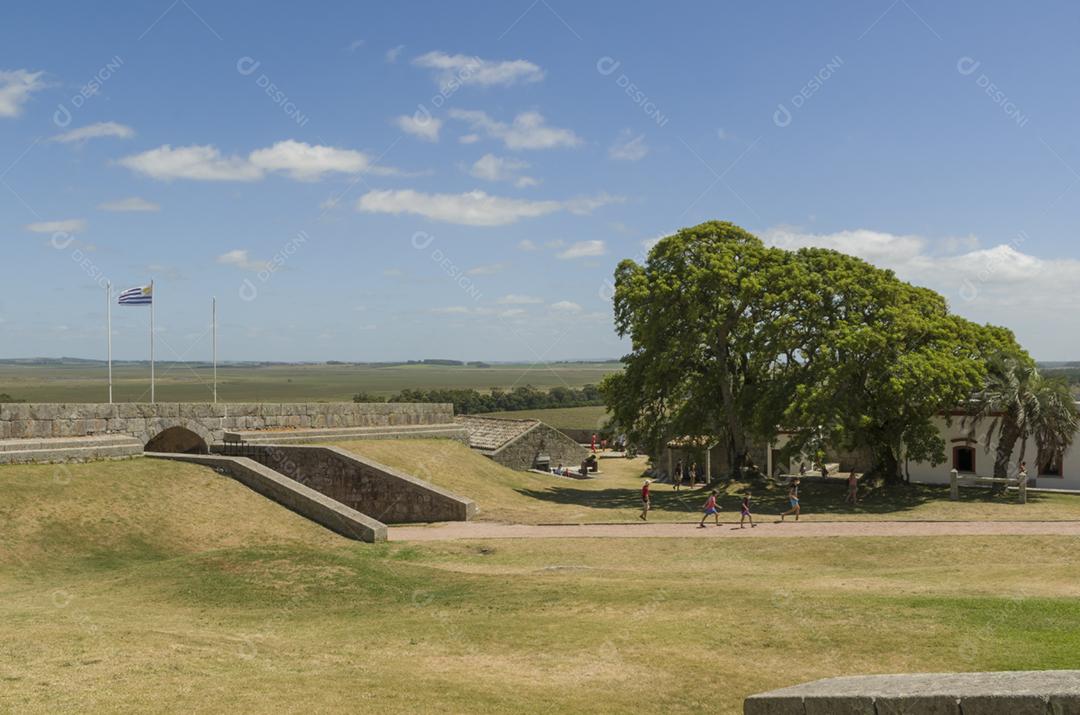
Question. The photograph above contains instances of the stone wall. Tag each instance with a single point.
(294, 496)
(1049, 692)
(380, 492)
(521, 453)
(210, 421)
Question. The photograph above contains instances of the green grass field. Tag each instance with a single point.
(150, 586)
(583, 418)
(279, 383)
(613, 496)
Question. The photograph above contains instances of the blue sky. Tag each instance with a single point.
(407, 180)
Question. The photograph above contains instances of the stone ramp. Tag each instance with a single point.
(332, 434)
(291, 494)
(45, 450)
(488, 434)
(1038, 692)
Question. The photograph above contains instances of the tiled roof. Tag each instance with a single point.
(491, 433)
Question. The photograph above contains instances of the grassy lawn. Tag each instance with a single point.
(523, 497)
(279, 383)
(151, 586)
(587, 418)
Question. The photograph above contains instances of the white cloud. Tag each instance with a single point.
(583, 249)
(495, 168)
(242, 260)
(453, 70)
(451, 310)
(355, 45)
(16, 86)
(529, 130)
(512, 313)
(200, 163)
(393, 272)
(486, 270)
(566, 306)
(426, 127)
(557, 243)
(468, 138)
(882, 249)
(306, 162)
(128, 205)
(474, 208)
(72, 225)
(298, 160)
(628, 147)
(393, 53)
(517, 299)
(1001, 284)
(526, 245)
(96, 131)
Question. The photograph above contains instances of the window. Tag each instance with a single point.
(1051, 467)
(963, 459)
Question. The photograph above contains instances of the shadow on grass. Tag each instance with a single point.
(771, 499)
(685, 502)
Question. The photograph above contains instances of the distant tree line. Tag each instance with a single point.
(5, 397)
(471, 402)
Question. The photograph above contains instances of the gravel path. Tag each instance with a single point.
(765, 529)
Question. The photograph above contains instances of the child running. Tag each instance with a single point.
(710, 510)
(746, 512)
(793, 498)
(646, 500)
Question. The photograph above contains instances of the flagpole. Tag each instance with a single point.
(213, 323)
(152, 301)
(108, 330)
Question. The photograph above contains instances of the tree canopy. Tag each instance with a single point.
(737, 339)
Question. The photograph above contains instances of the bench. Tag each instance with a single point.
(957, 480)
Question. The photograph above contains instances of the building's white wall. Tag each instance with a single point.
(955, 433)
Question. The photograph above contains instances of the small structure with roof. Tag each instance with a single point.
(521, 444)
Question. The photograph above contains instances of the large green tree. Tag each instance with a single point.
(705, 318)
(735, 339)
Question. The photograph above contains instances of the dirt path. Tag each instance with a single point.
(765, 529)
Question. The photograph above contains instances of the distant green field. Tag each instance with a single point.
(586, 418)
(284, 383)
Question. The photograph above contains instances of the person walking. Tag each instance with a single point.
(677, 477)
(646, 500)
(710, 510)
(746, 512)
(693, 475)
(793, 499)
(852, 488)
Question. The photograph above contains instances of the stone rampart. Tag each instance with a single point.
(209, 421)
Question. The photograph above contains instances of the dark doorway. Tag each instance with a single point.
(964, 459)
(177, 440)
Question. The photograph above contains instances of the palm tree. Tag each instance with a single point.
(1023, 404)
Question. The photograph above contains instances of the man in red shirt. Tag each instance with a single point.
(646, 500)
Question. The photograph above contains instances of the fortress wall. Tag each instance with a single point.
(210, 421)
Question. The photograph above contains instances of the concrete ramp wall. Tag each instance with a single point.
(384, 493)
(1038, 692)
(291, 494)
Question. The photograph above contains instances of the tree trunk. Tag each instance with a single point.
(1009, 434)
(887, 464)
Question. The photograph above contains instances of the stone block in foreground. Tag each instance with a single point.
(1039, 692)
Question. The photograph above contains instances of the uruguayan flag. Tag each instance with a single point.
(144, 295)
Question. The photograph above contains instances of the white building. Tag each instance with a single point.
(970, 449)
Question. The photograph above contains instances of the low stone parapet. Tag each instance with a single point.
(303, 500)
(1040, 692)
(377, 490)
